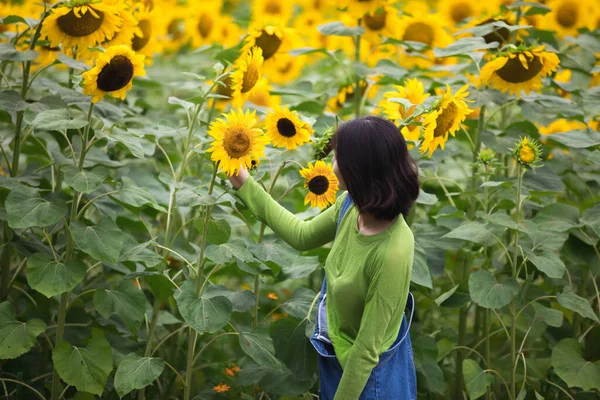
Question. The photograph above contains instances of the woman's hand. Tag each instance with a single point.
(238, 180)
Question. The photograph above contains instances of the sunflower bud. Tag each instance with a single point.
(527, 153)
(322, 144)
(486, 156)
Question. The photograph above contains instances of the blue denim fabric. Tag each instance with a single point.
(393, 378)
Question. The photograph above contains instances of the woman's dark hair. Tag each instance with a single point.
(381, 176)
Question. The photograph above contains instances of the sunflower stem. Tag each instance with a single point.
(357, 96)
(464, 271)
(513, 330)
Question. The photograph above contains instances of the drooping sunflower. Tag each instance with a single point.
(358, 8)
(273, 38)
(412, 91)
(457, 11)
(519, 69)
(322, 184)
(285, 128)
(82, 23)
(567, 16)
(113, 73)
(236, 142)
(445, 118)
(247, 73)
(272, 10)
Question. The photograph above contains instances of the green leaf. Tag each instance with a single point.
(425, 354)
(204, 314)
(476, 380)
(571, 301)
(488, 293)
(274, 254)
(131, 141)
(8, 52)
(104, 241)
(557, 217)
(501, 219)
(58, 120)
(548, 315)
(140, 253)
(591, 218)
(548, 262)
(472, 231)
(577, 139)
(127, 301)
(337, 28)
(293, 347)
(421, 275)
(52, 278)
(241, 301)
(136, 196)
(87, 368)
(84, 181)
(464, 47)
(72, 63)
(136, 372)
(225, 252)
(571, 367)
(260, 348)
(301, 267)
(219, 231)
(426, 198)
(17, 338)
(298, 305)
(26, 211)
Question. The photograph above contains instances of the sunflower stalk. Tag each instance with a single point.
(464, 271)
(513, 331)
(64, 299)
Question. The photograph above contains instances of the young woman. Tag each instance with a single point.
(361, 331)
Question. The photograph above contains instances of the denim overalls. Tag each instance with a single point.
(393, 378)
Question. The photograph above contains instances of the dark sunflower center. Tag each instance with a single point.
(318, 185)
(273, 7)
(419, 32)
(499, 35)
(236, 143)
(116, 74)
(225, 90)
(269, 44)
(149, 4)
(176, 28)
(283, 68)
(80, 27)
(567, 14)
(375, 22)
(461, 11)
(445, 120)
(514, 72)
(205, 25)
(286, 127)
(139, 43)
(250, 78)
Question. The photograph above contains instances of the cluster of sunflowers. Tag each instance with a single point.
(120, 36)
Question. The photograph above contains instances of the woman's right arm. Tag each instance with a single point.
(301, 235)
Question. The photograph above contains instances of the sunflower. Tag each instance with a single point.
(272, 38)
(285, 68)
(236, 142)
(527, 153)
(113, 73)
(322, 184)
(381, 22)
(172, 27)
(272, 10)
(412, 91)
(261, 95)
(285, 128)
(567, 16)
(82, 23)
(518, 70)
(47, 56)
(203, 24)
(144, 40)
(427, 29)
(306, 25)
(494, 34)
(560, 126)
(446, 118)
(358, 8)
(345, 95)
(247, 73)
(228, 33)
(457, 11)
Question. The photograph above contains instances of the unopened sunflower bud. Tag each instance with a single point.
(486, 156)
(527, 152)
(322, 144)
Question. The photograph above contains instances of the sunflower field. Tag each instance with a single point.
(129, 268)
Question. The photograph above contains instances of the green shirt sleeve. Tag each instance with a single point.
(386, 298)
(301, 235)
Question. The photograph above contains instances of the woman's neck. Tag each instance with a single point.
(369, 225)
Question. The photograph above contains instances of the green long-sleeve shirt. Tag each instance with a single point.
(368, 279)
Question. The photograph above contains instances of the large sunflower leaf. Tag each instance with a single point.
(293, 347)
(489, 293)
(570, 300)
(204, 314)
(137, 372)
(476, 380)
(26, 211)
(104, 241)
(17, 338)
(87, 368)
(50, 277)
(569, 364)
(84, 181)
(126, 300)
(259, 347)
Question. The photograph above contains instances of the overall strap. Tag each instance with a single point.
(345, 207)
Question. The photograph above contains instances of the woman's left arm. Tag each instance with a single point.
(388, 291)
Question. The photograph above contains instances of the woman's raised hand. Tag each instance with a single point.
(238, 180)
